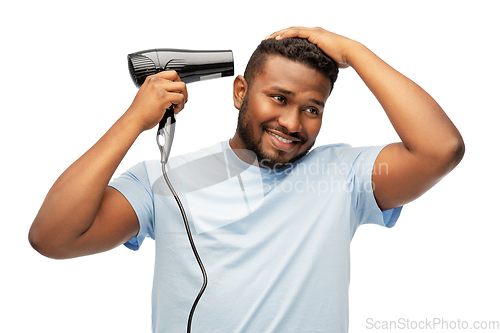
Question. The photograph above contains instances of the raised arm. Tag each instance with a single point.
(81, 215)
(431, 145)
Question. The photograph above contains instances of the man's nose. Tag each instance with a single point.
(290, 119)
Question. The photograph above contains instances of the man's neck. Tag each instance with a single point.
(239, 150)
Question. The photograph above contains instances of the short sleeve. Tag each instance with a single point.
(135, 186)
(357, 164)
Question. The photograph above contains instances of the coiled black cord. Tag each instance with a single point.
(193, 247)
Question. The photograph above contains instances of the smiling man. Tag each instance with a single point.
(273, 218)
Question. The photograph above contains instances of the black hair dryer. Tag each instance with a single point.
(191, 66)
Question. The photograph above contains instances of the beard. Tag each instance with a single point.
(275, 160)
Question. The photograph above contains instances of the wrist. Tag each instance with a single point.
(129, 123)
(354, 51)
(359, 56)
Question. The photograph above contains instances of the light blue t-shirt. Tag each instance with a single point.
(275, 243)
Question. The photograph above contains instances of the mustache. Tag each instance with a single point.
(303, 138)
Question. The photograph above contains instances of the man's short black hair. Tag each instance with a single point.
(295, 49)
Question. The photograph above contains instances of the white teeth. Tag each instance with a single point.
(280, 138)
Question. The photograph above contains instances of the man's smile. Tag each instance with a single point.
(282, 141)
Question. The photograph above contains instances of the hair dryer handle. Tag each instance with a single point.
(165, 133)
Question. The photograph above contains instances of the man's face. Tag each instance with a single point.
(281, 113)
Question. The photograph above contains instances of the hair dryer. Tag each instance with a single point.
(191, 66)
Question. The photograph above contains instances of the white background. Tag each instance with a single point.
(65, 81)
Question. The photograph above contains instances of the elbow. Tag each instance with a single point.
(43, 244)
(38, 242)
(444, 155)
(457, 151)
(452, 153)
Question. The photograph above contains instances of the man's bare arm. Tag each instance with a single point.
(431, 145)
(81, 215)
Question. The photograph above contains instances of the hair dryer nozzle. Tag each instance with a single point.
(190, 65)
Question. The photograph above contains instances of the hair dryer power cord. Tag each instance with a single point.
(193, 247)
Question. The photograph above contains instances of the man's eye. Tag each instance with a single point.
(312, 111)
(280, 99)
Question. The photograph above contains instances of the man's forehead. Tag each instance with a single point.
(281, 73)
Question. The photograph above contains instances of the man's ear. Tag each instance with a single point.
(239, 90)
